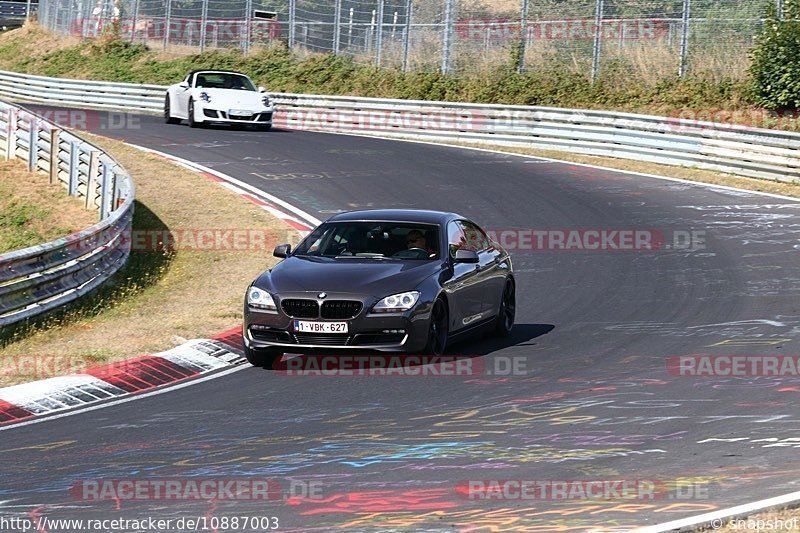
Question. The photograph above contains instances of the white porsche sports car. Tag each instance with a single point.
(218, 97)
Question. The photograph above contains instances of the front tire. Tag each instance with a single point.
(192, 122)
(266, 357)
(508, 310)
(168, 118)
(437, 329)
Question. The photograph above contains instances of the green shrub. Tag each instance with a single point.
(775, 69)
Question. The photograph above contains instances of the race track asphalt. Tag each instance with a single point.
(595, 330)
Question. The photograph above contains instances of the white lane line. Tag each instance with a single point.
(168, 388)
(255, 190)
(719, 518)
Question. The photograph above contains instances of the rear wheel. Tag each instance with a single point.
(168, 118)
(508, 310)
(437, 329)
(266, 357)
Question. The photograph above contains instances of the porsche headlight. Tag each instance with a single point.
(205, 97)
(261, 299)
(396, 303)
(265, 100)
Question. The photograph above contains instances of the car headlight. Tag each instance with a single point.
(260, 299)
(205, 97)
(396, 302)
(265, 101)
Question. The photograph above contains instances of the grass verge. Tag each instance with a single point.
(728, 99)
(33, 211)
(163, 295)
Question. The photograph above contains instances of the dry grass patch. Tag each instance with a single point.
(32, 211)
(161, 297)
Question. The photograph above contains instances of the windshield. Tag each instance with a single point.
(379, 240)
(223, 80)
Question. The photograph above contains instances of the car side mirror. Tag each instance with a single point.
(282, 250)
(466, 256)
(262, 89)
(183, 85)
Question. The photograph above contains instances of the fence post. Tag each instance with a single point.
(134, 19)
(33, 143)
(447, 35)
(379, 35)
(687, 6)
(248, 25)
(337, 22)
(350, 29)
(407, 35)
(11, 134)
(91, 176)
(167, 23)
(523, 36)
(292, 13)
(779, 9)
(27, 11)
(55, 139)
(74, 160)
(598, 33)
(203, 24)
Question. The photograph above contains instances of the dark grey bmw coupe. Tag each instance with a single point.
(383, 280)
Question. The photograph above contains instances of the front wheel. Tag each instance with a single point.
(266, 357)
(437, 329)
(508, 310)
(168, 118)
(192, 122)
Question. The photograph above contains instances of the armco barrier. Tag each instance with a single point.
(751, 152)
(43, 277)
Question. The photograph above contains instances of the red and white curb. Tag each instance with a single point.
(114, 380)
(293, 216)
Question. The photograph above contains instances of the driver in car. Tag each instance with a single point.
(415, 239)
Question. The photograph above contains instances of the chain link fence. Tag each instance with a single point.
(645, 39)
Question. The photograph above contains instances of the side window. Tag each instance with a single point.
(455, 238)
(476, 239)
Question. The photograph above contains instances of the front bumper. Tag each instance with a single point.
(365, 331)
(259, 117)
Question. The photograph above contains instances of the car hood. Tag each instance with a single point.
(231, 98)
(373, 277)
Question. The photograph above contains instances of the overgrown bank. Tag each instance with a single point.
(36, 51)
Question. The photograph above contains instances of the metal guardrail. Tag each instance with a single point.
(16, 10)
(751, 152)
(42, 277)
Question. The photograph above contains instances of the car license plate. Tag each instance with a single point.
(239, 113)
(303, 326)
